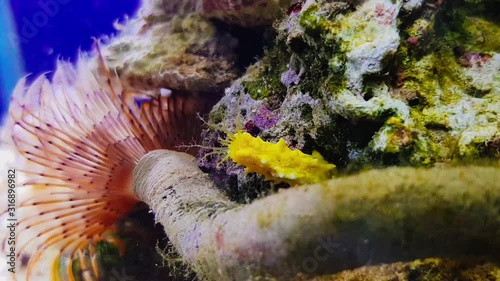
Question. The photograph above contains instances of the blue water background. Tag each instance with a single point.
(45, 30)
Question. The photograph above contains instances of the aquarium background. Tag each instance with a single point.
(35, 33)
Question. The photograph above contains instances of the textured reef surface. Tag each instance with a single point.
(373, 83)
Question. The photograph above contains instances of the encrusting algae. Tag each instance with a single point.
(80, 137)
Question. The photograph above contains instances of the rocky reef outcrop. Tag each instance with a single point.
(375, 83)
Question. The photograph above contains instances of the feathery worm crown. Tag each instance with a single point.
(78, 138)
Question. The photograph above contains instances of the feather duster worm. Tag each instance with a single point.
(80, 137)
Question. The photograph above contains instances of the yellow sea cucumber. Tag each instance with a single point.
(276, 161)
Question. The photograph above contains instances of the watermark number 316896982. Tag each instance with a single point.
(11, 220)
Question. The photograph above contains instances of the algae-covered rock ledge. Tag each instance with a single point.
(376, 83)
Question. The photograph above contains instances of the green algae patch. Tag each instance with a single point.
(432, 269)
(218, 115)
(485, 34)
(315, 24)
(462, 24)
(449, 117)
(263, 79)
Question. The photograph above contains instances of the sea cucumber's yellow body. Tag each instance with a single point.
(276, 161)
